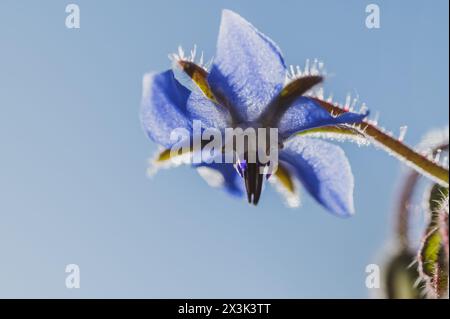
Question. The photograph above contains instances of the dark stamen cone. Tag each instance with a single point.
(253, 183)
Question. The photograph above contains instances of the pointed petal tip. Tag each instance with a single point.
(230, 17)
(246, 58)
(227, 14)
(343, 213)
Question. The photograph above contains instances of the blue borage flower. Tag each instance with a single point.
(248, 85)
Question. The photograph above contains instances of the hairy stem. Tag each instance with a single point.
(414, 159)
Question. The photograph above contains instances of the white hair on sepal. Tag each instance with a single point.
(182, 77)
(194, 57)
(354, 103)
(177, 56)
(363, 109)
(402, 133)
(193, 54)
(351, 104)
(317, 92)
(295, 72)
(290, 199)
(330, 98)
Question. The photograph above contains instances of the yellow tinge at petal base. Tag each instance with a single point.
(166, 155)
(285, 178)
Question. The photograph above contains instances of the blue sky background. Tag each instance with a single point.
(73, 187)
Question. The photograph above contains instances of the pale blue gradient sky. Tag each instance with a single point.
(73, 159)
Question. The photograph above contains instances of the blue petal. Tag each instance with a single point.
(248, 67)
(202, 109)
(306, 113)
(324, 170)
(163, 107)
(230, 179)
